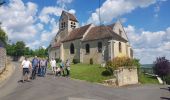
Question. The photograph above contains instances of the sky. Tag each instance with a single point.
(146, 22)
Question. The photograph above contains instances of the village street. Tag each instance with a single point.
(59, 88)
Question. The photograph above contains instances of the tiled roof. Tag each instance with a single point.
(101, 32)
(71, 16)
(77, 33)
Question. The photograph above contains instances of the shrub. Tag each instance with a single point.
(167, 79)
(107, 72)
(91, 61)
(162, 67)
(58, 60)
(75, 61)
(123, 62)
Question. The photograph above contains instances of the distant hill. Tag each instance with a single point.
(147, 65)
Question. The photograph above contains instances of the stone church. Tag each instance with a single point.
(99, 43)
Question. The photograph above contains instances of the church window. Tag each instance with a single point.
(99, 46)
(120, 47)
(72, 48)
(87, 48)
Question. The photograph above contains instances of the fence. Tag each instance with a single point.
(2, 59)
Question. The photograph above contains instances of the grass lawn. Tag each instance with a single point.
(146, 79)
(92, 73)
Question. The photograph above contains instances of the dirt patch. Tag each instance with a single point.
(7, 73)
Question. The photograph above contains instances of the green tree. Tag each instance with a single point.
(20, 48)
(10, 49)
(3, 37)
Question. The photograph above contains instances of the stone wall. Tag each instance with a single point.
(126, 76)
(2, 59)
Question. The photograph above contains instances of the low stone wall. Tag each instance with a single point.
(126, 76)
(3, 59)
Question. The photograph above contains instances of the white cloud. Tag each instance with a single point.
(63, 3)
(72, 11)
(148, 45)
(22, 21)
(47, 11)
(49, 35)
(18, 20)
(115, 8)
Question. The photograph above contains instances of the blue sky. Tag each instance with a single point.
(147, 22)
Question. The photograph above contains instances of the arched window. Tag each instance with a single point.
(120, 47)
(99, 46)
(87, 48)
(72, 48)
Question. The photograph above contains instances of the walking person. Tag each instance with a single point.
(35, 65)
(53, 65)
(67, 68)
(26, 69)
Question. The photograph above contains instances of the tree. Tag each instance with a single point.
(162, 67)
(3, 37)
(20, 48)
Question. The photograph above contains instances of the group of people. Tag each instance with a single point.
(61, 68)
(38, 67)
(32, 69)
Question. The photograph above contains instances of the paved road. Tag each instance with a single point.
(50, 88)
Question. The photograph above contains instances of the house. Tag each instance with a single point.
(99, 43)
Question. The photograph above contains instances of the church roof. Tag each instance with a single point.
(71, 16)
(101, 32)
(95, 33)
(56, 44)
(77, 33)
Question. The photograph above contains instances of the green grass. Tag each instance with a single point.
(91, 73)
(146, 79)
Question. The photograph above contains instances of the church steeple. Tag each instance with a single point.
(68, 22)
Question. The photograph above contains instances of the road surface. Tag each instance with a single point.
(60, 88)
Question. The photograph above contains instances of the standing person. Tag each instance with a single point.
(53, 65)
(46, 65)
(62, 67)
(26, 65)
(68, 68)
(43, 66)
(39, 68)
(35, 65)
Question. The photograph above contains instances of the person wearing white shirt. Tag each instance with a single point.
(26, 66)
(53, 65)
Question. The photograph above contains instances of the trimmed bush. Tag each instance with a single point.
(91, 61)
(75, 61)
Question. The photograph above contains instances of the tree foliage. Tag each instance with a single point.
(19, 49)
(162, 67)
(3, 37)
